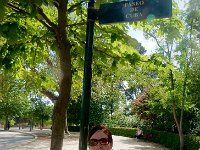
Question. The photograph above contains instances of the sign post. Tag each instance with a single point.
(86, 96)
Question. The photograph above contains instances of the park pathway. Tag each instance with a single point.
(71, 142)
(11, 139)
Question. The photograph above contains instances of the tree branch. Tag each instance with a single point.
(103, 52)
(49, 94)
(95, 48)
(74, 6)
(40, 11)
(44, 16)
(17, 9)
(21, 11)
(76, 24)
(157, 42)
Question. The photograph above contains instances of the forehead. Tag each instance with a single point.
(98, 135)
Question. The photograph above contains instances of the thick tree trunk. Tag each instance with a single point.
(63, 51)
(58, 127)
(59, 113)
(60, 107)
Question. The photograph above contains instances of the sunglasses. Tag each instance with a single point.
(102, 141)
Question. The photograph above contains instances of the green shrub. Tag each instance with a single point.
(129, 121)
(127, 132)
(171, 140)
(192, 142)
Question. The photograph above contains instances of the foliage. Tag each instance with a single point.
(107, 105)
(130, 121)
(192, 142)
(108, 102)
(41, 110)
(73, 112)
(127, 132)
(196, 121)
(13, 97)
(171, 140)
(164, 138)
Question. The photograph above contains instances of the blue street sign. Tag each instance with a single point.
(134, 10)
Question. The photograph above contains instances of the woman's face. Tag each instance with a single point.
(99, 141)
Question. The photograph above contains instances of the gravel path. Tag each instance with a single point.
(71, 143)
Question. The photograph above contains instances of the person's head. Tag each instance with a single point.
(100, 138)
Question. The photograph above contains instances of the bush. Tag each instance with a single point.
(192, 142)
(127, 132)
(129, 121)
(171, 140)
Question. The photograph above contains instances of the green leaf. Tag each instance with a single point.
(39, 2)
(113, 37)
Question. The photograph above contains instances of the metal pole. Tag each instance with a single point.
(87, 77)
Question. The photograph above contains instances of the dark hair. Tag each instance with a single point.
(104, 129)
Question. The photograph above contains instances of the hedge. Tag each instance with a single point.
(127, 132)
(192, 142)
(171, 140)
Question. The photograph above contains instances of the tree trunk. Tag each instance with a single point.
(19, 126)
(30, 126)
(6, 123)
(42, 123)
(179, 123)
(59, 117)
(181, 128)
(60, 107)
(19, 123)
(66, 127)
(181, 140)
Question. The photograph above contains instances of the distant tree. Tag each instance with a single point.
(41, 110)
(13, 97)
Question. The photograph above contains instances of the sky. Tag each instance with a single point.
(150, 45)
